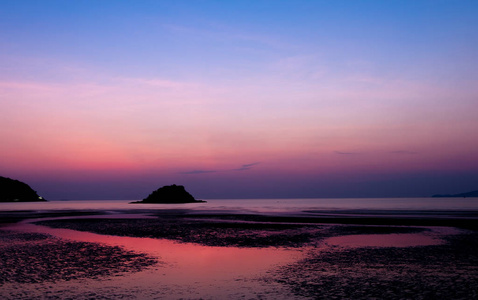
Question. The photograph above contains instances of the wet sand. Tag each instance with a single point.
(445, 271)
(34, 257)
(324, 256)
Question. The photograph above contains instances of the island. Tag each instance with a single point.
(462, 195)
(12, 190)
(170, 194)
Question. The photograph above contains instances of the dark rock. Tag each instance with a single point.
(170, 194)
(16, 191)
(462, 195)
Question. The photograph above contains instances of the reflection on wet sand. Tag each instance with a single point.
(431, 236)
(184, 268)
(279, 257)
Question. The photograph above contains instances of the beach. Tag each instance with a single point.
(210, 253)
(275, 150)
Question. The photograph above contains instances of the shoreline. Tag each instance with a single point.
(347, 217)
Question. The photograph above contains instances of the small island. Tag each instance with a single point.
(170, 194)
(472, 194)
(12, 190)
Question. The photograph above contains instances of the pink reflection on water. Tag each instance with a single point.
(427, 238)
(183, 263)
(189, 270)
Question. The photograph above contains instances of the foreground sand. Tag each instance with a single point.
(394, 257)
(34, 258)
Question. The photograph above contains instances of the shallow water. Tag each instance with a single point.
(185, 270)
(193, 271)
(263, 205)
(433, 236)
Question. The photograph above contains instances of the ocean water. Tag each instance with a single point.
(264, 205)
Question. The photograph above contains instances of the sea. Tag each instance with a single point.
(263, 205)
(194, 271)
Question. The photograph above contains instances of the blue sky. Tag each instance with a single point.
(318, 98)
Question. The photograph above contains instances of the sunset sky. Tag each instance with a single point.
(239, 99)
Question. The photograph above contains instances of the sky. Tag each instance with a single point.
(239, 99)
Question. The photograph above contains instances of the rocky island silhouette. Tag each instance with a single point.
(12, 190)
(170, 194)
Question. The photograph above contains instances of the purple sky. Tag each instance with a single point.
(239, 99)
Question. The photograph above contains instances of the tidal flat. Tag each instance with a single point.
(183, 254)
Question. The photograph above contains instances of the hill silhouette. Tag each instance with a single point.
(12, 190)
(170, 194)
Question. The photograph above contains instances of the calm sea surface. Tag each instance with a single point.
(263, 205)
(216, 272)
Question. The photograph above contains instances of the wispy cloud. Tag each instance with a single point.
(224, 33)
(157, 82)
(404, 152)
(246, 166)
(346, 153)
(198, 172)
(14, 85)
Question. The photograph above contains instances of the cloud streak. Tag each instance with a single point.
(244, 167)
(404, 152)
(346, 153)
(199, 172)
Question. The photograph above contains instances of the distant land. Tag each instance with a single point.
(12, 190)
(463, 195)
(170, 194)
